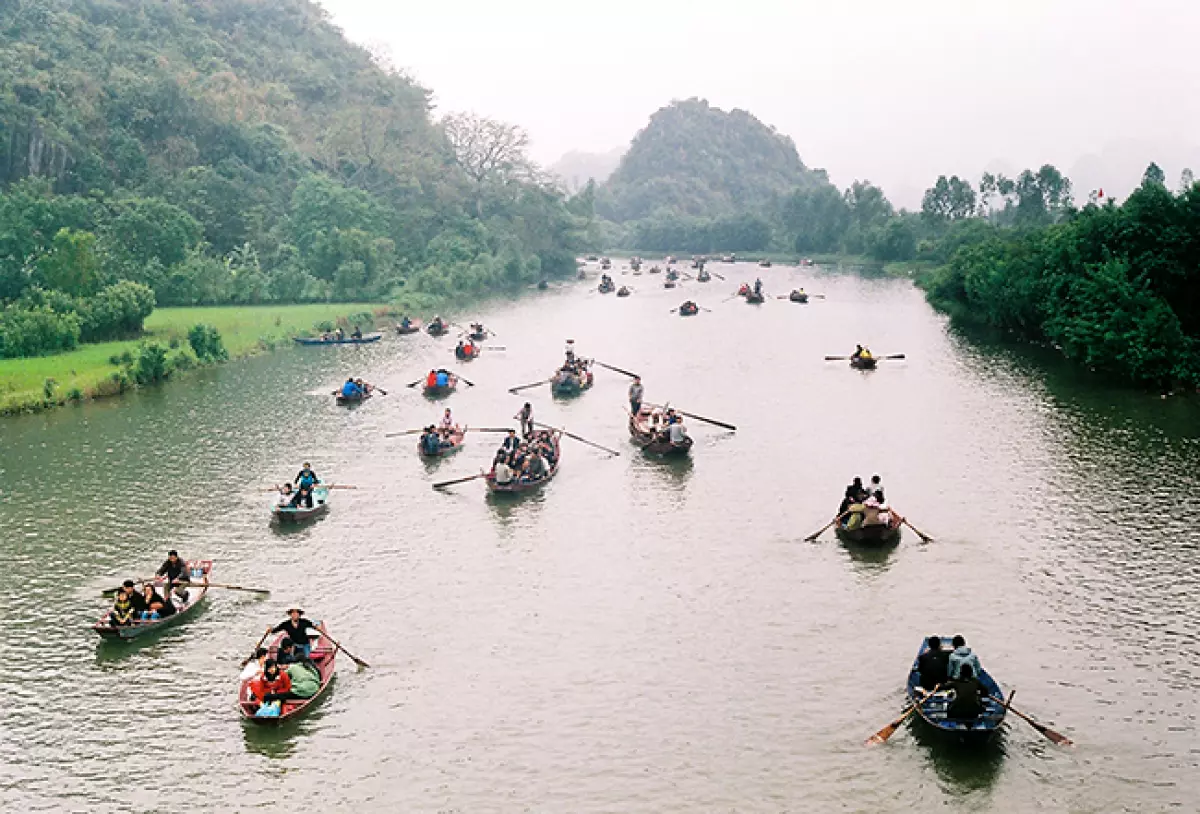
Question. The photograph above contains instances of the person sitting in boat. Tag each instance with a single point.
(356, 333)
(758, 287)
(405, 322)
(174, 568)
(854, 494)
(271, 688)
(157, 607)
(304, 494)
(865, 354)
(677, 433)
(858, 351)
(962, 657)
(285, 495)
(447, 420)
(297, 628)
(339, 334)
(305, 678)
(511, 442)
(872, 509)
(431, 442)
(932, 664)
(875, 487)
(123, 610)
(967, 701)
(438, 325)
(469, 350)
(501, 471)
(536, 467)
(351, 390)
(460, 352)
(443, 379)
(431, 379)
(254, 665)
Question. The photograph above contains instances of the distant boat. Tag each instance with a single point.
(347, 340)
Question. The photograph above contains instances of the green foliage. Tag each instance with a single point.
(244, 152)
(205, 342)
(696, 160)
(116, 312)
(1112, 287)
(150, 364)
(36, 331)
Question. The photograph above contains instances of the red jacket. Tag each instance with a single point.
(261, 685)
(431, 380)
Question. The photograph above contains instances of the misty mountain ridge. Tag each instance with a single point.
(576, 168)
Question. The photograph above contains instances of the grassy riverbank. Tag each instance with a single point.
(46, 381)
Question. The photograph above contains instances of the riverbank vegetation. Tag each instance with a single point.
(175, 339)
(169, 153)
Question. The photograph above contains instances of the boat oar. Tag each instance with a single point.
(338, 645)
(414, 384)
(487, 429)
(338, 486)
(810, 538)
(577, 438)
(527, 386)
(925, 538)
(882, 735)
(446, 483)
(721, 424)
(406, 432)
(617, 369)
(893, 356)
(469, 383)
(1056, 737)
(495, 347)
(718, 276)
(246, 660)
(837, 358)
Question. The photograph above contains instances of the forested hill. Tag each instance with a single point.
(244, 151)
(696, 159)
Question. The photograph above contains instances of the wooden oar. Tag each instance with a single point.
(721, 424)
(576, 437)
(527, 386)
(810, 538)
(618, 370)
(494, 347)
(338, 645)
(892, 356)
(250, 657)
(339, 486)
(1060, 739)
(924, 537)
(446, 483)
(414, 384)
(487, 429)
(882, 735)
(406, 432)
(152, 581)
(469, 383)
(718, 276)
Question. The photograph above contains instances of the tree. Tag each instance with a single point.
(487, 151)
(1186, 180)
(868, 205)
(71, 264)
(817, 218)
(1154, 175)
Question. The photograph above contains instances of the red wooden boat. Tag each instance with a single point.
(438, 392)
(323, 655)
(518, 487)
(650, 440)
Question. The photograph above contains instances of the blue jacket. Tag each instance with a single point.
(350, 390)
(442, 379)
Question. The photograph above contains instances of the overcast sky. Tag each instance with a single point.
(896, 91)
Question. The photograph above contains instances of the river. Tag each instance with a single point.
(640, 636)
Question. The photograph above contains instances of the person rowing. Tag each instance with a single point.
(447, 420)
(431, 442)
(174, 568)
(636, 391)
(405, 322)
(525, 416)
(297, 629)
(758, 287)
(442, 378)
(351, 389)
(357, 333)
(306, 476)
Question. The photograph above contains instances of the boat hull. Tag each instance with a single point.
(800, 298)
(877, 536)
(755, 299)
(863, 364)
(519, 487)
(126, 632)
(298, 514)
(932, 709)
(571, 384)
(647, 440)
(350, 401)
(411, 329)
(316, 340)
(456, 442)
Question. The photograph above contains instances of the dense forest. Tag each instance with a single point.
(241, 151)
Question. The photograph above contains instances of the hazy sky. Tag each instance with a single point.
(896, 92)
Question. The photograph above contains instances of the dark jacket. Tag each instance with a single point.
(932, 666)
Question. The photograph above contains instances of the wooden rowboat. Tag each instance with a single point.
(323, 656)
(623, 292)
(365, 339)
(437, 329)
(606, 288)
(464, 355)
(645, 437)
(412, 328)
(755, 299)
(860, 363)
(689, 309)
(571, 384)
(798, 296)
(455, 441)
(669, 284)
(297, 514)
(933, 708)
(200, 570)
(436, 392)
(521, 487)
(703, 277)
(348, 401)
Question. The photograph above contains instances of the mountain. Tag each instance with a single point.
(696, 159)
(244, 150)
(576, 168)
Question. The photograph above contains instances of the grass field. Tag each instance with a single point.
(85, 371)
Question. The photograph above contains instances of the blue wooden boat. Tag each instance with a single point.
(297, 514)
(365, 339)
(932, 708)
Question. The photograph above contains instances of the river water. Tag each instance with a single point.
(640, 636)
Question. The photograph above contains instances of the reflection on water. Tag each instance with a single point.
(639, 635)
